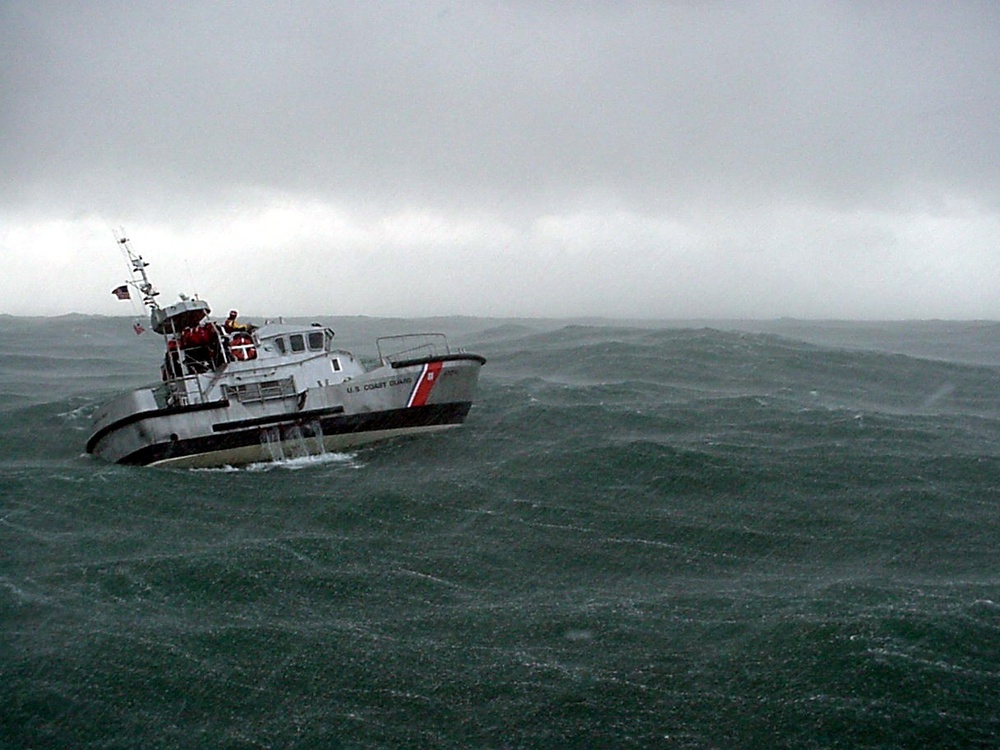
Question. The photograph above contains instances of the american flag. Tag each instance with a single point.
(121, 292)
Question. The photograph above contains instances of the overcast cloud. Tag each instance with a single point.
(646, 159)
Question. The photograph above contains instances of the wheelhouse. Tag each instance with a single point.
(294, 340)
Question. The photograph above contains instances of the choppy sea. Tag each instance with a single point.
(705, 535)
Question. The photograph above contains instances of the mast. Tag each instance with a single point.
(137, 270)
(170, 322)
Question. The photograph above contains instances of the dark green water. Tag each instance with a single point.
(643, 537)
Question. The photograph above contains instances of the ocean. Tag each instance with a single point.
(780, 534)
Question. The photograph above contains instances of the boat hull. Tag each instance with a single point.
(297, 438)
(414, 398)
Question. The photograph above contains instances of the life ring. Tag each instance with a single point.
(242, 347)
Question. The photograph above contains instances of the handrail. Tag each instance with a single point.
(412, 346)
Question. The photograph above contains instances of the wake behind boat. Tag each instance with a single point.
(234, 394)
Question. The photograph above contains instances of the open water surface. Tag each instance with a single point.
(775, 536)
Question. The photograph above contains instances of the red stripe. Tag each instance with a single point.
(428, 378)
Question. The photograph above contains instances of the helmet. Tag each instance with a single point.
(233, 313)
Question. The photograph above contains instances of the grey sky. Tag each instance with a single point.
(661, 159)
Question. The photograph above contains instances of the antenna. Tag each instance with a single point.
(194, 288)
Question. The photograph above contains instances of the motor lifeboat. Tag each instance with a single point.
(240, 396)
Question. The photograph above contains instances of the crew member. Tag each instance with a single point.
(232, 325)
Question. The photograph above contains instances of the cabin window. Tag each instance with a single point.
(316, 341)
(335, 364)
(298, 342)
(280, 343)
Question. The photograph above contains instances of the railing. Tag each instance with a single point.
(179, 392)
(408, 346)
(248, 393)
